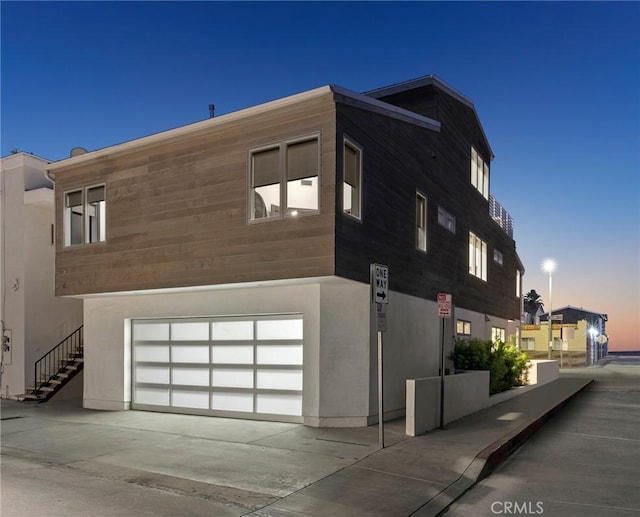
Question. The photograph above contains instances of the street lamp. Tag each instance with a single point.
(549, 265)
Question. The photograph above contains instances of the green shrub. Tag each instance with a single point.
(507, 365)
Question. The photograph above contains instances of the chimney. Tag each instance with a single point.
(212, 108)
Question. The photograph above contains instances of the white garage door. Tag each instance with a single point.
(247, 367)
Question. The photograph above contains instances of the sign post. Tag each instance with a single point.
(380, 296)
(444, 312)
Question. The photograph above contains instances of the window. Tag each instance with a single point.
(498, 258)
(352, 184)
(477, 256)
(85, 216)
(518, 283)
(463, 327)
(528, 343)
(285, 174)
(479, 173)
(421, 222)
(446, 219)
(498, 335)
(96, 208)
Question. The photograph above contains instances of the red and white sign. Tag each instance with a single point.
(444, 305)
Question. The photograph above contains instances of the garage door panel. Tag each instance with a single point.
(279, 404)
(250, 365)
(190, 354)
(279, 354)
(232, 330)
(279, 380)
(154, 353)
(232, 378)
(229, 401)
(154, 396)
(232, 354)
(190, 376)
(186, 331)
(151, 332)
(153, 374)
(190, 399)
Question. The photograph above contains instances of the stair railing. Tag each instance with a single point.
(53, 361)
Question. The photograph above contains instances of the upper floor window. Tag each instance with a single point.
(479, 173)
(85, 216)
(352, 183)
(477, 256)
(518, 283)
(421, 222)
(528, 343)
(285, 175)
(446, 219)
(498, 257)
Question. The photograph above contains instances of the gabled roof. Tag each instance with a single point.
(435, 81)
(605, 317)
(340, 95)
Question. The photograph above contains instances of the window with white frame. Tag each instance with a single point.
(352, 183)
(479, 173)
(528, 343)
(446, 219)
(518, 283)
(463, 327)
(421, 222)
(498, 257)
(498, 335)
(85, 216)
(477, 256)
(285, 175)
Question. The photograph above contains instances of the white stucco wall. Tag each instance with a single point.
(13, 269)
(107, 383)
(36, 318)
(411, 349)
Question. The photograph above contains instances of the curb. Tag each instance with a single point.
(488, 460)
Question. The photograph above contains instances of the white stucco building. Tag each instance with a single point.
(33, 319)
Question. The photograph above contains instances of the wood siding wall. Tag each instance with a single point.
(177, 211)
(399, 158)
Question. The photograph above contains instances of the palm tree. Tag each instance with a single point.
(532, 304)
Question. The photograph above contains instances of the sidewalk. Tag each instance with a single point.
(240, 467)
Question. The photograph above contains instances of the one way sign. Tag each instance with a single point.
(380, 283)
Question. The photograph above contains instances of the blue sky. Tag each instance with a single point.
(556, 86)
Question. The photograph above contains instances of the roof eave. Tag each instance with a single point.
(430, 80)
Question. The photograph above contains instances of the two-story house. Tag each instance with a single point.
(224, 265)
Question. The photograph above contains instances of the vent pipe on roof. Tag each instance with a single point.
(212, 108)
(77, 151)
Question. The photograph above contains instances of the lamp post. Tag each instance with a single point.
(594, 333)
(549, 265)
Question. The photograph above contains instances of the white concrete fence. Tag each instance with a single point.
(464, 393)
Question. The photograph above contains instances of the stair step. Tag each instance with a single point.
(62, 375)
(71, 367)
(55, 381)
(72, 360)
(47, 389)
(29, 396)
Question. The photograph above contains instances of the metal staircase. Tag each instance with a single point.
(56, 368)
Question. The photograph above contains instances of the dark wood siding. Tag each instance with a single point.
(399, 158)
(177, 211)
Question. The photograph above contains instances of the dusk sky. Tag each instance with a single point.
(556, 86)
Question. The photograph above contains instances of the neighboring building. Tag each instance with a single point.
(33, 319)
(224, 265)
(578, 332)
